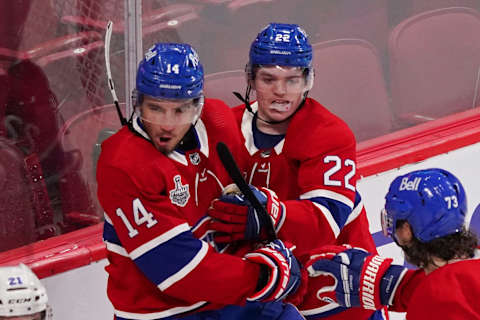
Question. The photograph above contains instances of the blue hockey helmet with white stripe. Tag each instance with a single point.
(170, 71)
(432, 201)
(281, 44)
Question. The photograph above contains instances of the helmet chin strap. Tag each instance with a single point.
(246, 101)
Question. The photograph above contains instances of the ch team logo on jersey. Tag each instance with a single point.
(194, 158)
(264, 168)
(180, 194)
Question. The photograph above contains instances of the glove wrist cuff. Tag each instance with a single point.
(389, 283)
(281, 274)
(275, 208)
(266, 285)
(373, 270)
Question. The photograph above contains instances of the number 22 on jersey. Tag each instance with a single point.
(338, 166)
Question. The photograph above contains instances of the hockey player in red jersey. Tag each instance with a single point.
(425, 214)
(156, 178)
(300, 155)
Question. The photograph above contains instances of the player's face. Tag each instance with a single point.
(279, 91)
(166, 121)
(404, 238)
(404, 234)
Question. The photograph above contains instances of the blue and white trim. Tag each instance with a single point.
(123, 315)
(323, 193)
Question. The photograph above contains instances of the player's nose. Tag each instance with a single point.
(280, 87)
(167, 127)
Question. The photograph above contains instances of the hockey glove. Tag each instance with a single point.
(360, 278)
(280, 273)
(236, 219)
(202, 230)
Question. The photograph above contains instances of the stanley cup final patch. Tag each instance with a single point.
(180, 194)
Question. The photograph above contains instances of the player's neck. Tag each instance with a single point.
(438, 263)
(272, 128)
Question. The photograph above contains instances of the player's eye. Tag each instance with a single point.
(267, 80)
(180, 110)
(293, 81)
(183, 108)
(154, 108)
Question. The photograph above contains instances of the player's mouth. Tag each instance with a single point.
(281, 105)
(163, 140)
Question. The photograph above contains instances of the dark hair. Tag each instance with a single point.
(459, 245)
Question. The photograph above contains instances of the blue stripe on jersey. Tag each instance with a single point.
(339, 210)
(168, 258)
(109, 234)
(358, 198)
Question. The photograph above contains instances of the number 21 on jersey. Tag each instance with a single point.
(140, 215)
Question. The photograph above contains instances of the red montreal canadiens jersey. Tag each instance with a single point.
(449, 292)
(316, 163)
(157, 267)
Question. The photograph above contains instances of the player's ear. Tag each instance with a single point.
(251, 82)
(250, 79)
(404, 233)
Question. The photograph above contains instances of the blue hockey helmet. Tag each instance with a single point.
(170, 71)
(433, 202)
(281, 44)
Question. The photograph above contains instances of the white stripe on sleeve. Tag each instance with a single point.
(327, 194)
(158, 315)
(331, 221)
(159, 240)
(186, 269)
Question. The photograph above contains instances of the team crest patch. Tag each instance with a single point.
(180, 194)
(194, 158)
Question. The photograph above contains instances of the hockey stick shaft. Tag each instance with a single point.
(111, 85)
(230, 165)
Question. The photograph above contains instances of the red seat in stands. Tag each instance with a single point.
(349, 82)
(418, 6)
(221, 85)
(434, 64)
(344, 19)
